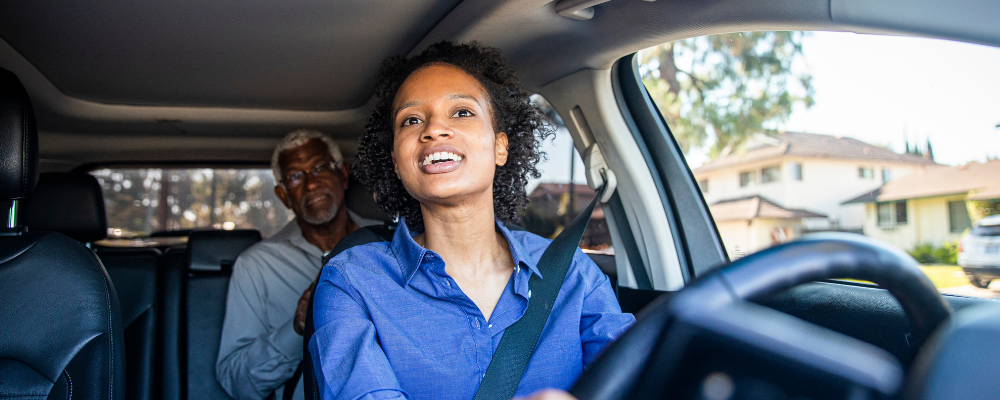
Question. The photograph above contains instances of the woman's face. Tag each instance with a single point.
(445, 149)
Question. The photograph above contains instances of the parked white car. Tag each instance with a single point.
(979, 252)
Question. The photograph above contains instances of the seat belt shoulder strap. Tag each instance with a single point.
(518, 342)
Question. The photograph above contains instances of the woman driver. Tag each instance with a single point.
(449, 147)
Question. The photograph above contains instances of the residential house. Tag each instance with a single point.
(929, 207)
(806, 177)
(550, 210)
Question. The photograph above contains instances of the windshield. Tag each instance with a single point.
(789, 133)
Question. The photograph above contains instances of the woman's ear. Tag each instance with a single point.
(501, 144)
(395, 168)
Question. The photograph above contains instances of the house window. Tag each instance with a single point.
(703, 185)
(886, 175)
(900, 212)
(746, 178)
(958, 217)
(796, 171)
(892, 213)
(770, 174)
(866, 172)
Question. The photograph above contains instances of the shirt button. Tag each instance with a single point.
(447, 284)
(477, 323)
(491, 325)
(529, 293)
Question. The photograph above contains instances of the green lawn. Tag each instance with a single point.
(945, 276)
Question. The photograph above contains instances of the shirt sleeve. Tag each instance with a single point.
(602, 319)
(348, 359)
(254, 359)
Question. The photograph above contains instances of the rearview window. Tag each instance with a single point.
(142, 201)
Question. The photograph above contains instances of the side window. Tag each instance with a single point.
(561, 192)
(751, 109)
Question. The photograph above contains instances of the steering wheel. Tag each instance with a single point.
(710, 341)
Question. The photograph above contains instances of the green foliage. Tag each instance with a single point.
(731, 87)
(979, 209)
(927, 253)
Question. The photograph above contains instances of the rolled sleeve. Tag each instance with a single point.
(254, 359)
(349, 360)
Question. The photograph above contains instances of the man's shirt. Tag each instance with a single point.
(390, 323)
(259, 349)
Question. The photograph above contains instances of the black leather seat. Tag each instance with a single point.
(210, 258)
(60, 323)
(71, 203)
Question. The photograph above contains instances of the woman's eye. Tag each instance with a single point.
(463, 113)
(410, 121)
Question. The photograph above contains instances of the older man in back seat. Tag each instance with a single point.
(261, 344)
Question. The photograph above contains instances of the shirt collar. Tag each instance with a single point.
(293, 234)
(411, 255)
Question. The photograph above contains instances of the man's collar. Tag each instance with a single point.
(411, 255)
(294, 236)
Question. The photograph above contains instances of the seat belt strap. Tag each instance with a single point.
(518, 342)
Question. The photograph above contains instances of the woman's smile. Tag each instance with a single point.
(441, 159)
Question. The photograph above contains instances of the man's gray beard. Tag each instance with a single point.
(321, 218)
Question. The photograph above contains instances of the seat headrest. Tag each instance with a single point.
(216, 250)
(70, 203)
(357, 199)
(18, 139)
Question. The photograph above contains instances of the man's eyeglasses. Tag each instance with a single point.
(296, 178)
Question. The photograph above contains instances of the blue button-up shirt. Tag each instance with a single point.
(390, 323)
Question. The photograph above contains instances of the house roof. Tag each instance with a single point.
(748, 208)
(810, 145)
(980, 180)
(583, 195)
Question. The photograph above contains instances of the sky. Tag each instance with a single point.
(881, 90)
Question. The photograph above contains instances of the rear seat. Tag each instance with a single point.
(210, 258)
(72, 204)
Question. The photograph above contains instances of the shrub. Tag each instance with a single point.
(927, 253)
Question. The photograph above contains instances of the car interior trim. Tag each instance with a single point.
(692, 222)
(592, 91)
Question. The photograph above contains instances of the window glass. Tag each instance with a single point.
(958, 216)
(888, 158)
(747, 178)
(561, 192)
(141, 201)
(770, 174)
(796, 171)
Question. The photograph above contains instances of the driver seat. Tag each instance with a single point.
(60, 323)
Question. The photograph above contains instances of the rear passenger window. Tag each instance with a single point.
(898, 137)
(561, 192)
(144, 201)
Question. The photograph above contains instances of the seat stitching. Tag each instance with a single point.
(111, 334)
(70, 380)
(24, 146)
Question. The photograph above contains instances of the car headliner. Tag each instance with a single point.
(122, 81)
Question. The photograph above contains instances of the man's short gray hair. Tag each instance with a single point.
(298, 138)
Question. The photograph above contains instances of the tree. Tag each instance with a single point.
(729, 87)
(930, 150)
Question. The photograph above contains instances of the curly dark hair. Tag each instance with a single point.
(512, 112)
